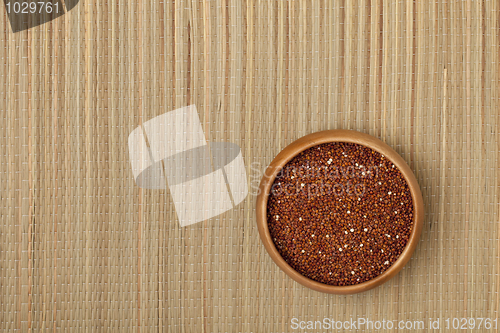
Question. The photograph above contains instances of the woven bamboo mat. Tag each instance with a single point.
(82, 248)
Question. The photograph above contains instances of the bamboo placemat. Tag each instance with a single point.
(82, 248)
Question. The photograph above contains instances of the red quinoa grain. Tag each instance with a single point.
(340, 213)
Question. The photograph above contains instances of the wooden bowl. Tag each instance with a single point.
(315, 139)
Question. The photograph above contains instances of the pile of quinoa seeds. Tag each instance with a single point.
(340, 213)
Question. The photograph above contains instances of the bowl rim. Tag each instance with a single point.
(328, 136)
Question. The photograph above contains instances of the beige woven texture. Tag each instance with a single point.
(82, 248)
